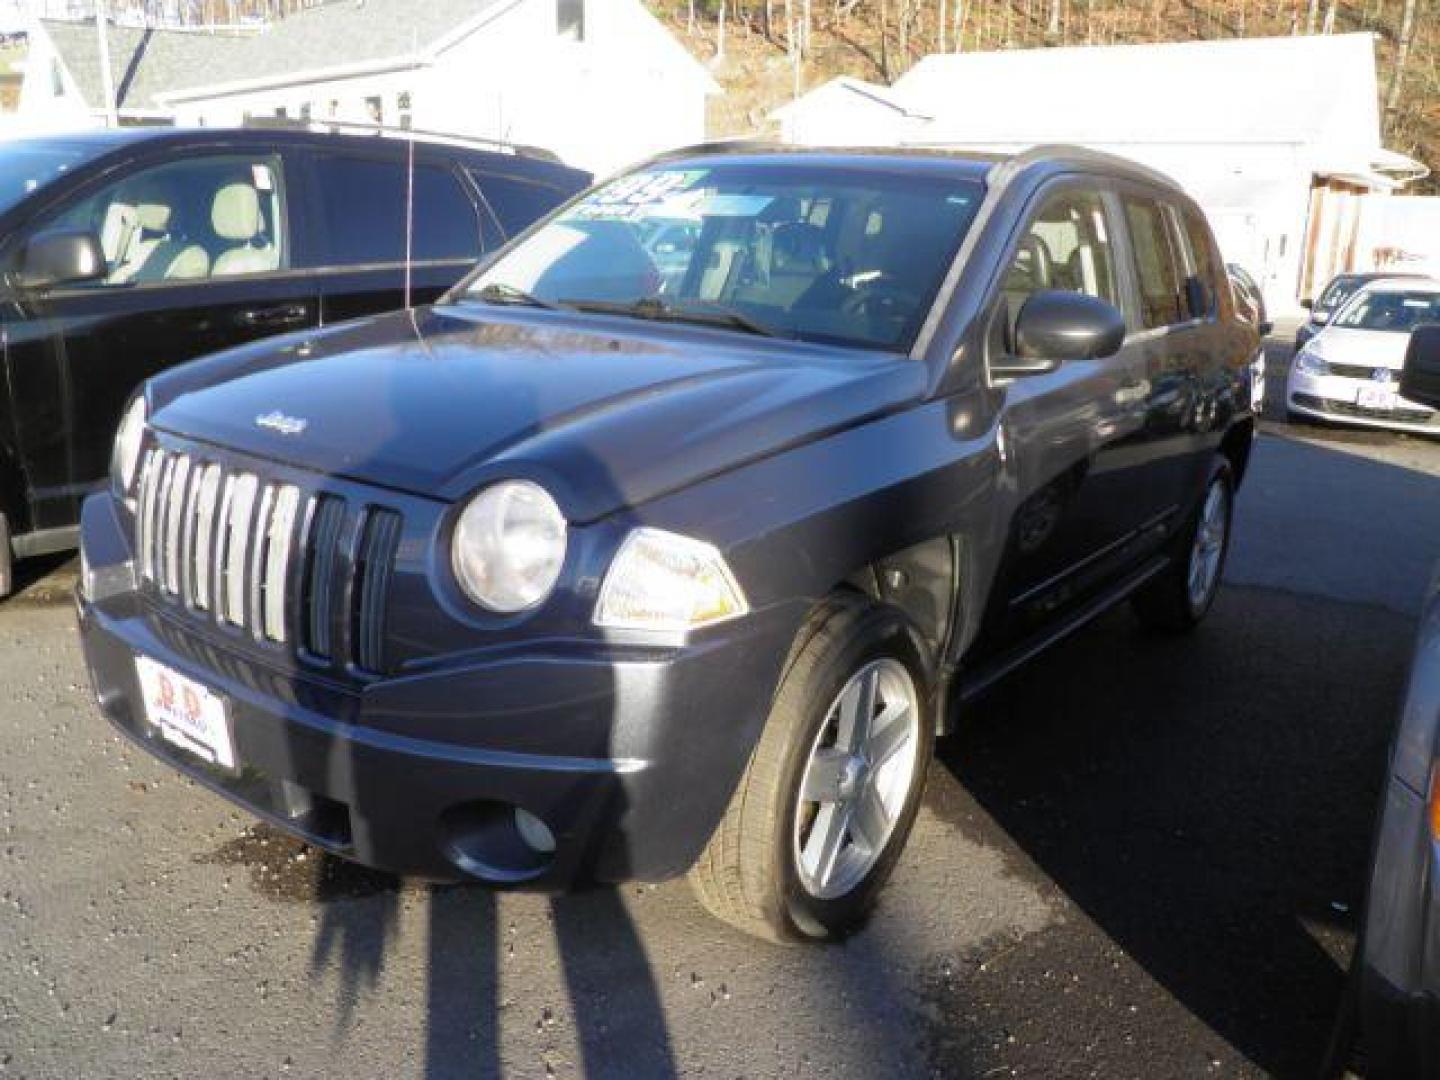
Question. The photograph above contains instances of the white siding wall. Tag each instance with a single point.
(41, 109)
(624, 93)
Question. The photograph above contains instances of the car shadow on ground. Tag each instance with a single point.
(46, 579)
(1208, 801)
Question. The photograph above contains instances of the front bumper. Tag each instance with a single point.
(1333, 398)
(628, 754)
(1400, 957)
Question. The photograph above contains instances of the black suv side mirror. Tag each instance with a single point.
(62, 257)
(1055, 326)
(1420, 379)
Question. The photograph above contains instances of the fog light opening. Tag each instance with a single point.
(498, 842)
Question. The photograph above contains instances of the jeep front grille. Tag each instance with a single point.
(268, 558)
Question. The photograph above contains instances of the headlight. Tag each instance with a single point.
(1310, 362)
(661, 581)
(126, 459)
(510, 546)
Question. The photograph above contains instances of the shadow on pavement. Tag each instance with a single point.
(1208, 801)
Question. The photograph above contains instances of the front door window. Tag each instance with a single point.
(192, 220)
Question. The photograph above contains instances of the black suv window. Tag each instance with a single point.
(517, 203)
(363, 201)
(1156, 265)
(188, 220)
(1067, 247)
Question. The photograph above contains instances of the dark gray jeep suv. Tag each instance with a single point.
(621, 563)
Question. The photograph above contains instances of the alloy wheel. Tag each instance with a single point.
(861, 770)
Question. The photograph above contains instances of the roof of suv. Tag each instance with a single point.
(106, 140)
(980, 165)
(1383, 283)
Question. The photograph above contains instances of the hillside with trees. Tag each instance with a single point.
(763, 52)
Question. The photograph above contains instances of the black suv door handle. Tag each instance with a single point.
(269, 318)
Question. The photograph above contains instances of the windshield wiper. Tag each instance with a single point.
(703, 312)
(498, 292)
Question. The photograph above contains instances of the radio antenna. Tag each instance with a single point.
(410, 196)
(409, 219)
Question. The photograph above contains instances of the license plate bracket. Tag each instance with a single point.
(1379, 396)
(186, 714)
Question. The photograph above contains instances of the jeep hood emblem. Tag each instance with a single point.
(279, 422)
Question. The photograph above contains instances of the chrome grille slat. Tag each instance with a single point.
(207, 503)
(145, 512)
(176, 490)
(237, 547)
(282, 565)
(259, 549)
(277, 562)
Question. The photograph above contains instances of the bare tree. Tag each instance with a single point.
(1402, 56)
(1052, 28)
(1329, 25)
(1312, 14)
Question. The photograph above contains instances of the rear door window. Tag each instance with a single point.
(363, 206)
(1157, 266)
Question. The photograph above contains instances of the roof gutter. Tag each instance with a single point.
(272, 82)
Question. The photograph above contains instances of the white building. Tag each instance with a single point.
(1277, 138)
(600, 82)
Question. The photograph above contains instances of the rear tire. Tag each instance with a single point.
(1179, 598)
(851, 725)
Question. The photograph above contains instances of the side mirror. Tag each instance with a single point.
(1308, 304)
(62, 257)
(1420, 379)
(1319, 317)
(1056, 326)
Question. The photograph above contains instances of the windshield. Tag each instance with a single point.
(1397, 311)
(1336, 293)
(26, 167)
(792, 249)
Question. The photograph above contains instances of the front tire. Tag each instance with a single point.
(1179, 598)
(828, 800)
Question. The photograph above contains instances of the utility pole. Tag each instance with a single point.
(107, 80)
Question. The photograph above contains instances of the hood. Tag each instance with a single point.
(606, 412)
(1372, 348)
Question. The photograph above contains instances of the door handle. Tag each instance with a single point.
(274, 317)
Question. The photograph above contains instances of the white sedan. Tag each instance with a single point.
(1349, 372)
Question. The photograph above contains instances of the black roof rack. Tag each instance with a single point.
(351, 127)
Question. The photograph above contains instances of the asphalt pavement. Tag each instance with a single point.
(1140, 858)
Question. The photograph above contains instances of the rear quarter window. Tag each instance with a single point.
(516, 202)
(1205, 266)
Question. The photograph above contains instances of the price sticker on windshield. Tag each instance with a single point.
(632, 197)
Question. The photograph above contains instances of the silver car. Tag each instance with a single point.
(1392, 1010)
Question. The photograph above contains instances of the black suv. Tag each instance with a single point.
(607, 567)
(123, 253)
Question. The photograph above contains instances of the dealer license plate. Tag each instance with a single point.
(1376, 397)
(186, 713)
